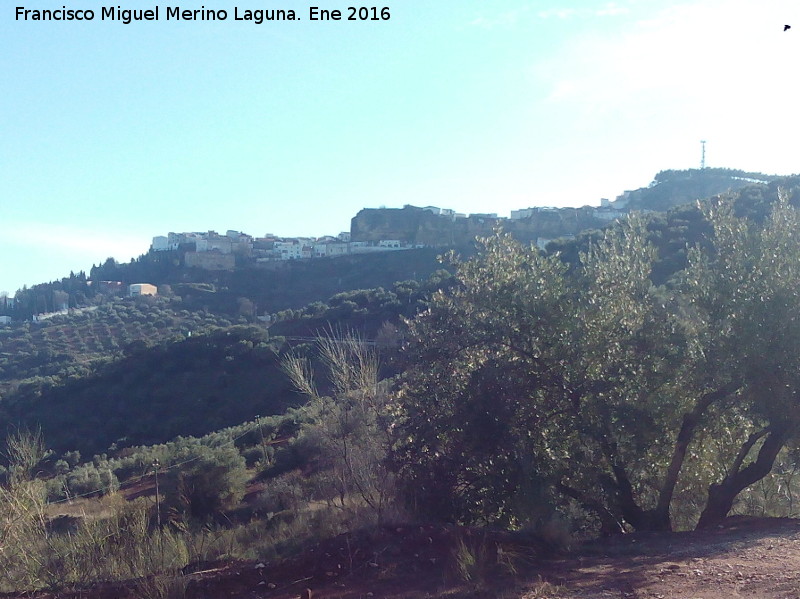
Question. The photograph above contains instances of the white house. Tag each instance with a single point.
(224, 245)
(608, 214)
(523, 213)
(288, 250)
(338, 249)
(161, 243)
(138, 289)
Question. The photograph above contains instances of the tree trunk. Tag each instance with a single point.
(660, 515)
(722, 495)
(609, 523)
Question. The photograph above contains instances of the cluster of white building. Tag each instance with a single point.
(233, 242)
(213, 250)
(607, 211)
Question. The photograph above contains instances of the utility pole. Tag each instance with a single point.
(703, 156)
(156, 466)
(263, 443)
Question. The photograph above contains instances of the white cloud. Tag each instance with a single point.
(37, 252)
(79, 241)
(611, 9)
(716, 69)
(685, 50)
(503, 19)
(528, 13)
(557, 13)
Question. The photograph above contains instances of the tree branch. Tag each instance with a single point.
(684, 438)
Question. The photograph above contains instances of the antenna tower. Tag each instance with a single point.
(703, 156)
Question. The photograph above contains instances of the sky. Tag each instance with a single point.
(111, 134)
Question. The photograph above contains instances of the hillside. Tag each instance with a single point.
(676, 230)
(672, 188)
(748, 558)
(188, 411)
(143, 370)
(268, 288)
(434, 227)
(153, 394)
(138, 351)
(70, 345)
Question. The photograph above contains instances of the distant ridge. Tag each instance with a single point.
(433, 226)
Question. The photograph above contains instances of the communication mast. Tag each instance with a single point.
(703, 156)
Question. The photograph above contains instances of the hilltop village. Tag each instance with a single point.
(379, 235)
(381, 230)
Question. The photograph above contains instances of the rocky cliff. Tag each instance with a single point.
(419, 226)
(669, 189)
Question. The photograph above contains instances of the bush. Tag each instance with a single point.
(282, 494)
(90, 479)
(207, 486)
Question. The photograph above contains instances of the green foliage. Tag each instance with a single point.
(350, 437)
(593, 382)
(213, 481)
(472, 560)
(672, 188)
(364, 310)
(65, 347)
(120, 542)
(153, 394)
(90, 479)
(526, 366)
(741, 301)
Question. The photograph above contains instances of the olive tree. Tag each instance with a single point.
(743, 300)
(532, 374)
(588, 382)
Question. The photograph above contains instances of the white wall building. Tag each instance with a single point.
(523, 213)
(608, 214)
(338, 249)
(138, 289)
(161, 243)
(288, 250)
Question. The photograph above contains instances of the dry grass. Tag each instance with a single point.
(86, 507)
(164, 586)
(544, 590)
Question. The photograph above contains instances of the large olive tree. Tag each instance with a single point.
(743, 303)
(531, 374)
(586, 381)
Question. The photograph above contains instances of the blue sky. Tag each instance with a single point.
(111, 134)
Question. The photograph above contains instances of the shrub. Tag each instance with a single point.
(207, 486)
(90, 479)
(282, 494)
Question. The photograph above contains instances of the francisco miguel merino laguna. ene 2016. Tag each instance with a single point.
(173, 13)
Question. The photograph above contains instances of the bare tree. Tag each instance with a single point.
(353, 422)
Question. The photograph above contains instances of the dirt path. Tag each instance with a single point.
(748, 558)
(753, 558)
